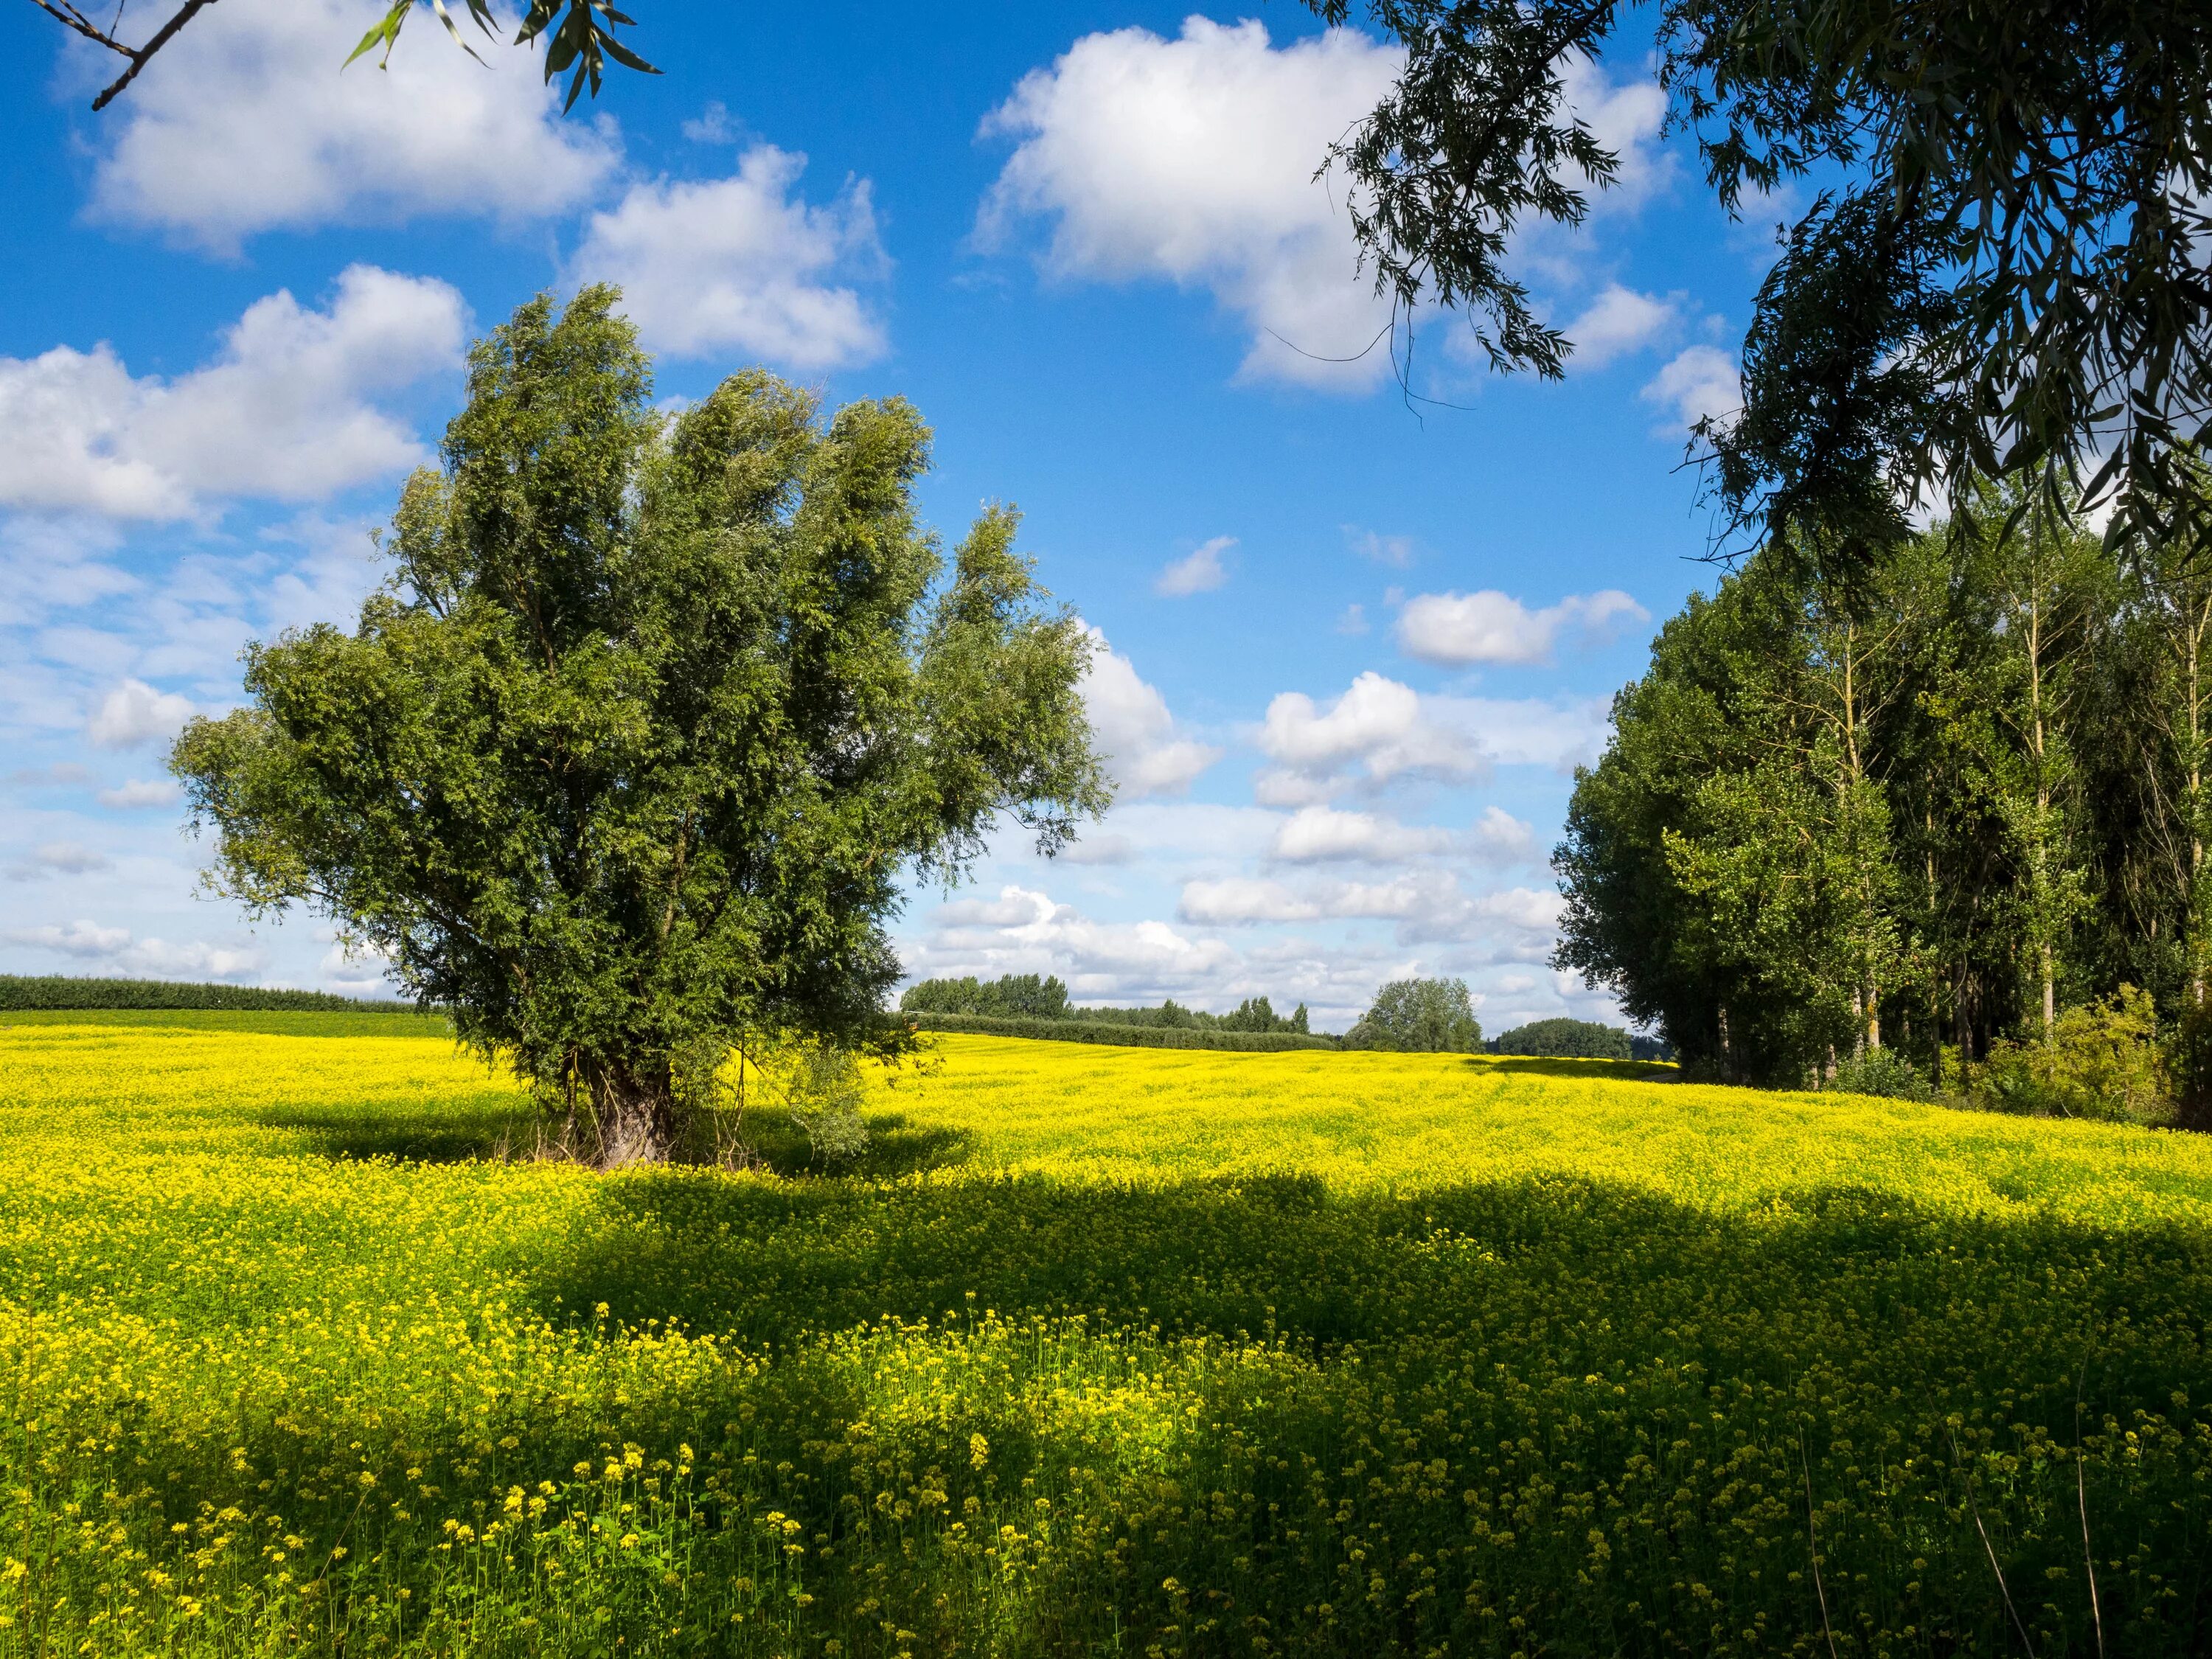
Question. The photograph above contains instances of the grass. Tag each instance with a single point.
(1102, 1349)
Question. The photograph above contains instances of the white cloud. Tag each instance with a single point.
(1320, 834)
(1459, 629)
(1502, 839)
(1528, 909)
(1619, 321)
(1353, 622)
(1527, 731)
(1023, 930)
(1375, 732)
(134, 712)
(742, 265)
(245, 123)
(1231, 900)
(284, 410)
(1700, 380)
(1135, 732)
(136, 794)
(1192, 160)
(58, 858)
(88, 941)
(1394, 550)
(1197, 572)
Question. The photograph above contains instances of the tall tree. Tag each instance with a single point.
(630, 759)
(2005, 272)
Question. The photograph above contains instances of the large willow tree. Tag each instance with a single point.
(630, 759)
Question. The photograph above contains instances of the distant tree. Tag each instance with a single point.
(1566, 1039)
(1025, 995)
(584, 38)
(1420, 1016)
(628, 762)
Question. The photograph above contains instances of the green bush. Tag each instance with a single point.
(26, 992)
(1566, 1039)
(1127, 1036)
(2102, 1059)
(1882, 1072)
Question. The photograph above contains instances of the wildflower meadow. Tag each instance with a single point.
(1112, 1351)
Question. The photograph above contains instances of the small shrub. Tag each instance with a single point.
(2101, 1060)
(1883, 1072)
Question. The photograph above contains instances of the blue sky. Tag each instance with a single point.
(1352, 648)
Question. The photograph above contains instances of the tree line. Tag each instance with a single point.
(1937, 805)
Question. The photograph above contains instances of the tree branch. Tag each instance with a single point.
(69, 17)
(139, 59)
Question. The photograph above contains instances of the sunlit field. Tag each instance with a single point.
(1096, 1351)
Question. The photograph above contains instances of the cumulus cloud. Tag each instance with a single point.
(58, 858)
(1192, 160)
(134, 712)
(136, 794)
(243, 124)
(1377, 731)
(89, 941)
(1395, 551)
(1316, 835)
(1023, 930)
(743, 265)
(1500, 838)
(1197, 572)
(1698, 381)
(285, 410)
(1461, 630)
(1619, 321)
(1136, 733)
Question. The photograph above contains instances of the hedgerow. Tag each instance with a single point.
(18, 991)
(1117, 1035)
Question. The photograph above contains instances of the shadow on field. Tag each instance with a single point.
(440, 1135)
(1609, 1071)
(1571, 1354)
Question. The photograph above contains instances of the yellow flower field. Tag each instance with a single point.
(1099, 1350)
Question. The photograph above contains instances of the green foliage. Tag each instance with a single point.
(1571, 1039)
(1973, 289)
(1127, 1033)
(1882, 1072)
(585, 37)
(630, 758)
(1420, 1016)
(2102, 1059)
(19, 990)
(1023, 995)
(1926, 807)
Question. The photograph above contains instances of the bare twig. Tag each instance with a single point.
(1813, 1543)
(1975, 1509)
(2082, 1497)
(70, 18)
(141, 58)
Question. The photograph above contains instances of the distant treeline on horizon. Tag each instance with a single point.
(1032, 996)
(45, 992)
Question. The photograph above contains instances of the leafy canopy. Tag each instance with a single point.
(629, 757)
(1420, 1016)
(2006, 272)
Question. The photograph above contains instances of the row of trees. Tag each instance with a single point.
(1927, 806)
(1027, 996)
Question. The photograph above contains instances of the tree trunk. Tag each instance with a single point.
(635, 1117)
